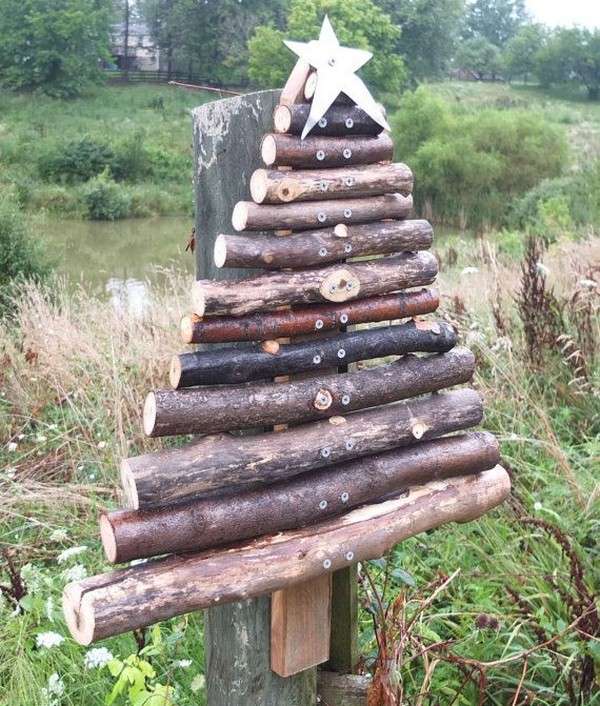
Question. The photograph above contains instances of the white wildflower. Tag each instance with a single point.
(49, 639)
(470, 271)
(33, 578)
(41, 439)
(97, 657)
(20, 437)
(12, 445)
(183, 663)
(69, 553)
(75, 573)
(11, 472)
(56, 688)
(50, 609)
(102, 445)
(542, 269)
(198, 683)
(59, 535)
(537, 506)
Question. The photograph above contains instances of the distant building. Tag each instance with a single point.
(143, 54)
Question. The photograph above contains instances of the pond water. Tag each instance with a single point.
(119, 258)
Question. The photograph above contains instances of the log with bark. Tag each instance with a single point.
(316, 152)
(214, 465)
(127, 599)
(209, 410)
(306, 499)
(248, 215)
(218, 366)
(336, 283)
(308, 319)
(323, 245)
(276, 187)
(339, 121)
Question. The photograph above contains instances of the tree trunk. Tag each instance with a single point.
(322, 246)
(304, 500)
(220, 366)
(305, 320)
(338, 121)
(336, 283)
(276, 187)
(210, 410)
(128, 599)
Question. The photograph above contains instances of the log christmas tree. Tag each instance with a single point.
(351, 456)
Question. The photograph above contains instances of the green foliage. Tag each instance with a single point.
(480, 57)
(76, 160)
(105, 200)
(521, 53)
(357, 23)
(131, 160)
(52, 45)
(498, 21)
(470, 166)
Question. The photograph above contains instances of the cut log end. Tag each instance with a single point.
(149, 416)
(268, 150)
(198, 299)
(80, 621)
(175, 372)
(258, 184)
(341, 231)
(186, 328)
(239, 217)
(310, 86)
(109, 542)
(282, 118)
(220, 251)
(130, 493)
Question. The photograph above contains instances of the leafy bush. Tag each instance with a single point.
(105, 200)
(469, 167)
(21, 255)
(131, 160)
(77, 160)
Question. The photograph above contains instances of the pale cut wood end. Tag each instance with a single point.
(198, 299)
(186, 328)
(239, 217)
(282, 118)
(130, 494)
(268, 150)
(175, 372)
(107, 535)
(258, 185)
(310, 86)
(220, 251)
(149, 415)
(79, 622)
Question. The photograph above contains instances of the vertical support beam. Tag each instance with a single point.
(343, 652)
(227, 137)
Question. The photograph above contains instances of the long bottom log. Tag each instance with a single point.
(308, 498)
(120, 601)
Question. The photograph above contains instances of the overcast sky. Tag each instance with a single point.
(558, 12)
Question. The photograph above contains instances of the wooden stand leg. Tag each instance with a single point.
(236, 639)
(343, 653)
(300, 626)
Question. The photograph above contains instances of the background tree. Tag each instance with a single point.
(357, 23)
(53, 45)
(496, 20)
(521, 54)
(480, 57)
(430, 29)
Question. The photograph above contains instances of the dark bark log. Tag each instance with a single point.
(209, 410)
(307, 499)
(318, 152)
(336, 283)
(248, 215)
(222, 366)
(338, 121)
(127, 599)
(343, 689)
(322, 246)
(277, 187)
(305, 320)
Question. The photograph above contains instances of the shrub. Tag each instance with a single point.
(105, 200)
(77, 160)
(131, 160)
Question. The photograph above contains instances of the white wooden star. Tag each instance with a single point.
(336, 66)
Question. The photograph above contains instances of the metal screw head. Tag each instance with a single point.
(322, 252)
(322, 504)
(331, 61)
(320, 155)
(322, 217)
(341, 353)
(349, 123)
(345, 400)
(332, 288)
(325, 452)
(349, 181)
(349, 556)
(349, 286)
(323, 122)
(317, 359)
(347, 212)
(349, 444)
(323, 185)
(347, 153)
(344, 318)
(347, 247)
(319, 323)
(344, 497)
(327, 564)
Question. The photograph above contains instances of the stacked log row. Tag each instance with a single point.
(329, 223)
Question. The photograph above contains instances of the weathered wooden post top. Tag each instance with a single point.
(309, 265)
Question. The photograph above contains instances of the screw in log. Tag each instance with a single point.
(336, 283)
(339, 121)
(322, 152)
(306, 499)
(272, 359)
(127, 599)
(322, 246)
(248, 215)
(210, 410)
(277, 187)
(305, 320)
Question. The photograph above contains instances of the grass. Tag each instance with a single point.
(74, 376)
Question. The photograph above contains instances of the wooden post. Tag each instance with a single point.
(227, 135)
